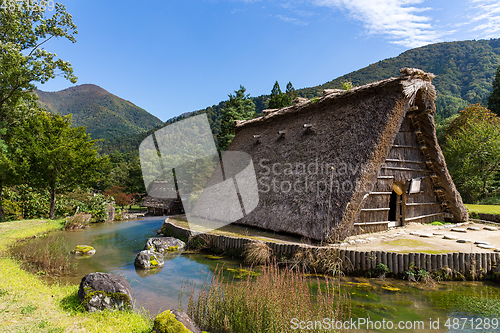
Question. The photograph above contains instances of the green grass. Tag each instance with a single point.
(485, 209)
(136, 207)
(29, 304)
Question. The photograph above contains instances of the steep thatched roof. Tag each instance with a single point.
(351, 130)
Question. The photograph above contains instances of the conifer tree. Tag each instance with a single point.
(238, 107)
(291, 94)
(276, 97)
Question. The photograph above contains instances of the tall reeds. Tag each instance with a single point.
(48, 255)
(274, 301)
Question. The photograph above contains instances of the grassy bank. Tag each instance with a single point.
(28, 304)
(485, 209)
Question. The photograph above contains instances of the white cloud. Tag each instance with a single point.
(400, 20)
(487, 17)
(291, 20)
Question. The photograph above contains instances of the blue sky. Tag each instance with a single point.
(175, 56)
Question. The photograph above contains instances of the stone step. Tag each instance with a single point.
(450, 237)
(485, 246)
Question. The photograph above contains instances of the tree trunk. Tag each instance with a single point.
(483, 194)
(52, 204)
(2, 214)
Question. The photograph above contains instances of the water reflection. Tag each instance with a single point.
(117, 245)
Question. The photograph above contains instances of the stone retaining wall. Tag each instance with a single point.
(488, 217)
(468, 264)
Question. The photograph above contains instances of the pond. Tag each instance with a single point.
(117, 245)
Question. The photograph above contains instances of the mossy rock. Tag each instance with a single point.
(149, 259)
(164, 244)
(99, 291)
(172, 321)
(85, 250)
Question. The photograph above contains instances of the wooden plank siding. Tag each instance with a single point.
(404, 162)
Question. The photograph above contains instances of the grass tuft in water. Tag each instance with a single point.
(265, 303)
(49, 255)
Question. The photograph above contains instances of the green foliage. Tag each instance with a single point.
(278, 99)
(347, 85)
(61, 157)
(441, 126)
(83, 202)
(23, 61)
(23, 202)
(472, 151)
(382, 269)
(494, 98)
(238, 107)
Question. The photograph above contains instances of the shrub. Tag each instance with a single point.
(257, 253)
(319, 260)
(347, 85)
(78, 221)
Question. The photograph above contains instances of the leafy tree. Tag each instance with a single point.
(238, 107)
(61, 157)
(494, 99)
(472, 151)
(472, 113)
(23, 61)
(121, 198)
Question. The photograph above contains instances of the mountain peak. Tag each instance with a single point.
(104, 114)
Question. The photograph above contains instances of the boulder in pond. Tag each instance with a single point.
(149, 259)
(99, 291)
(174, 321)
(86, 250)
(164, 244)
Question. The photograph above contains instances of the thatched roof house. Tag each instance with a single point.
(356, 160)
(156, 202)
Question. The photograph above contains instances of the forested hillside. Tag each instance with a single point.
(105, 115)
